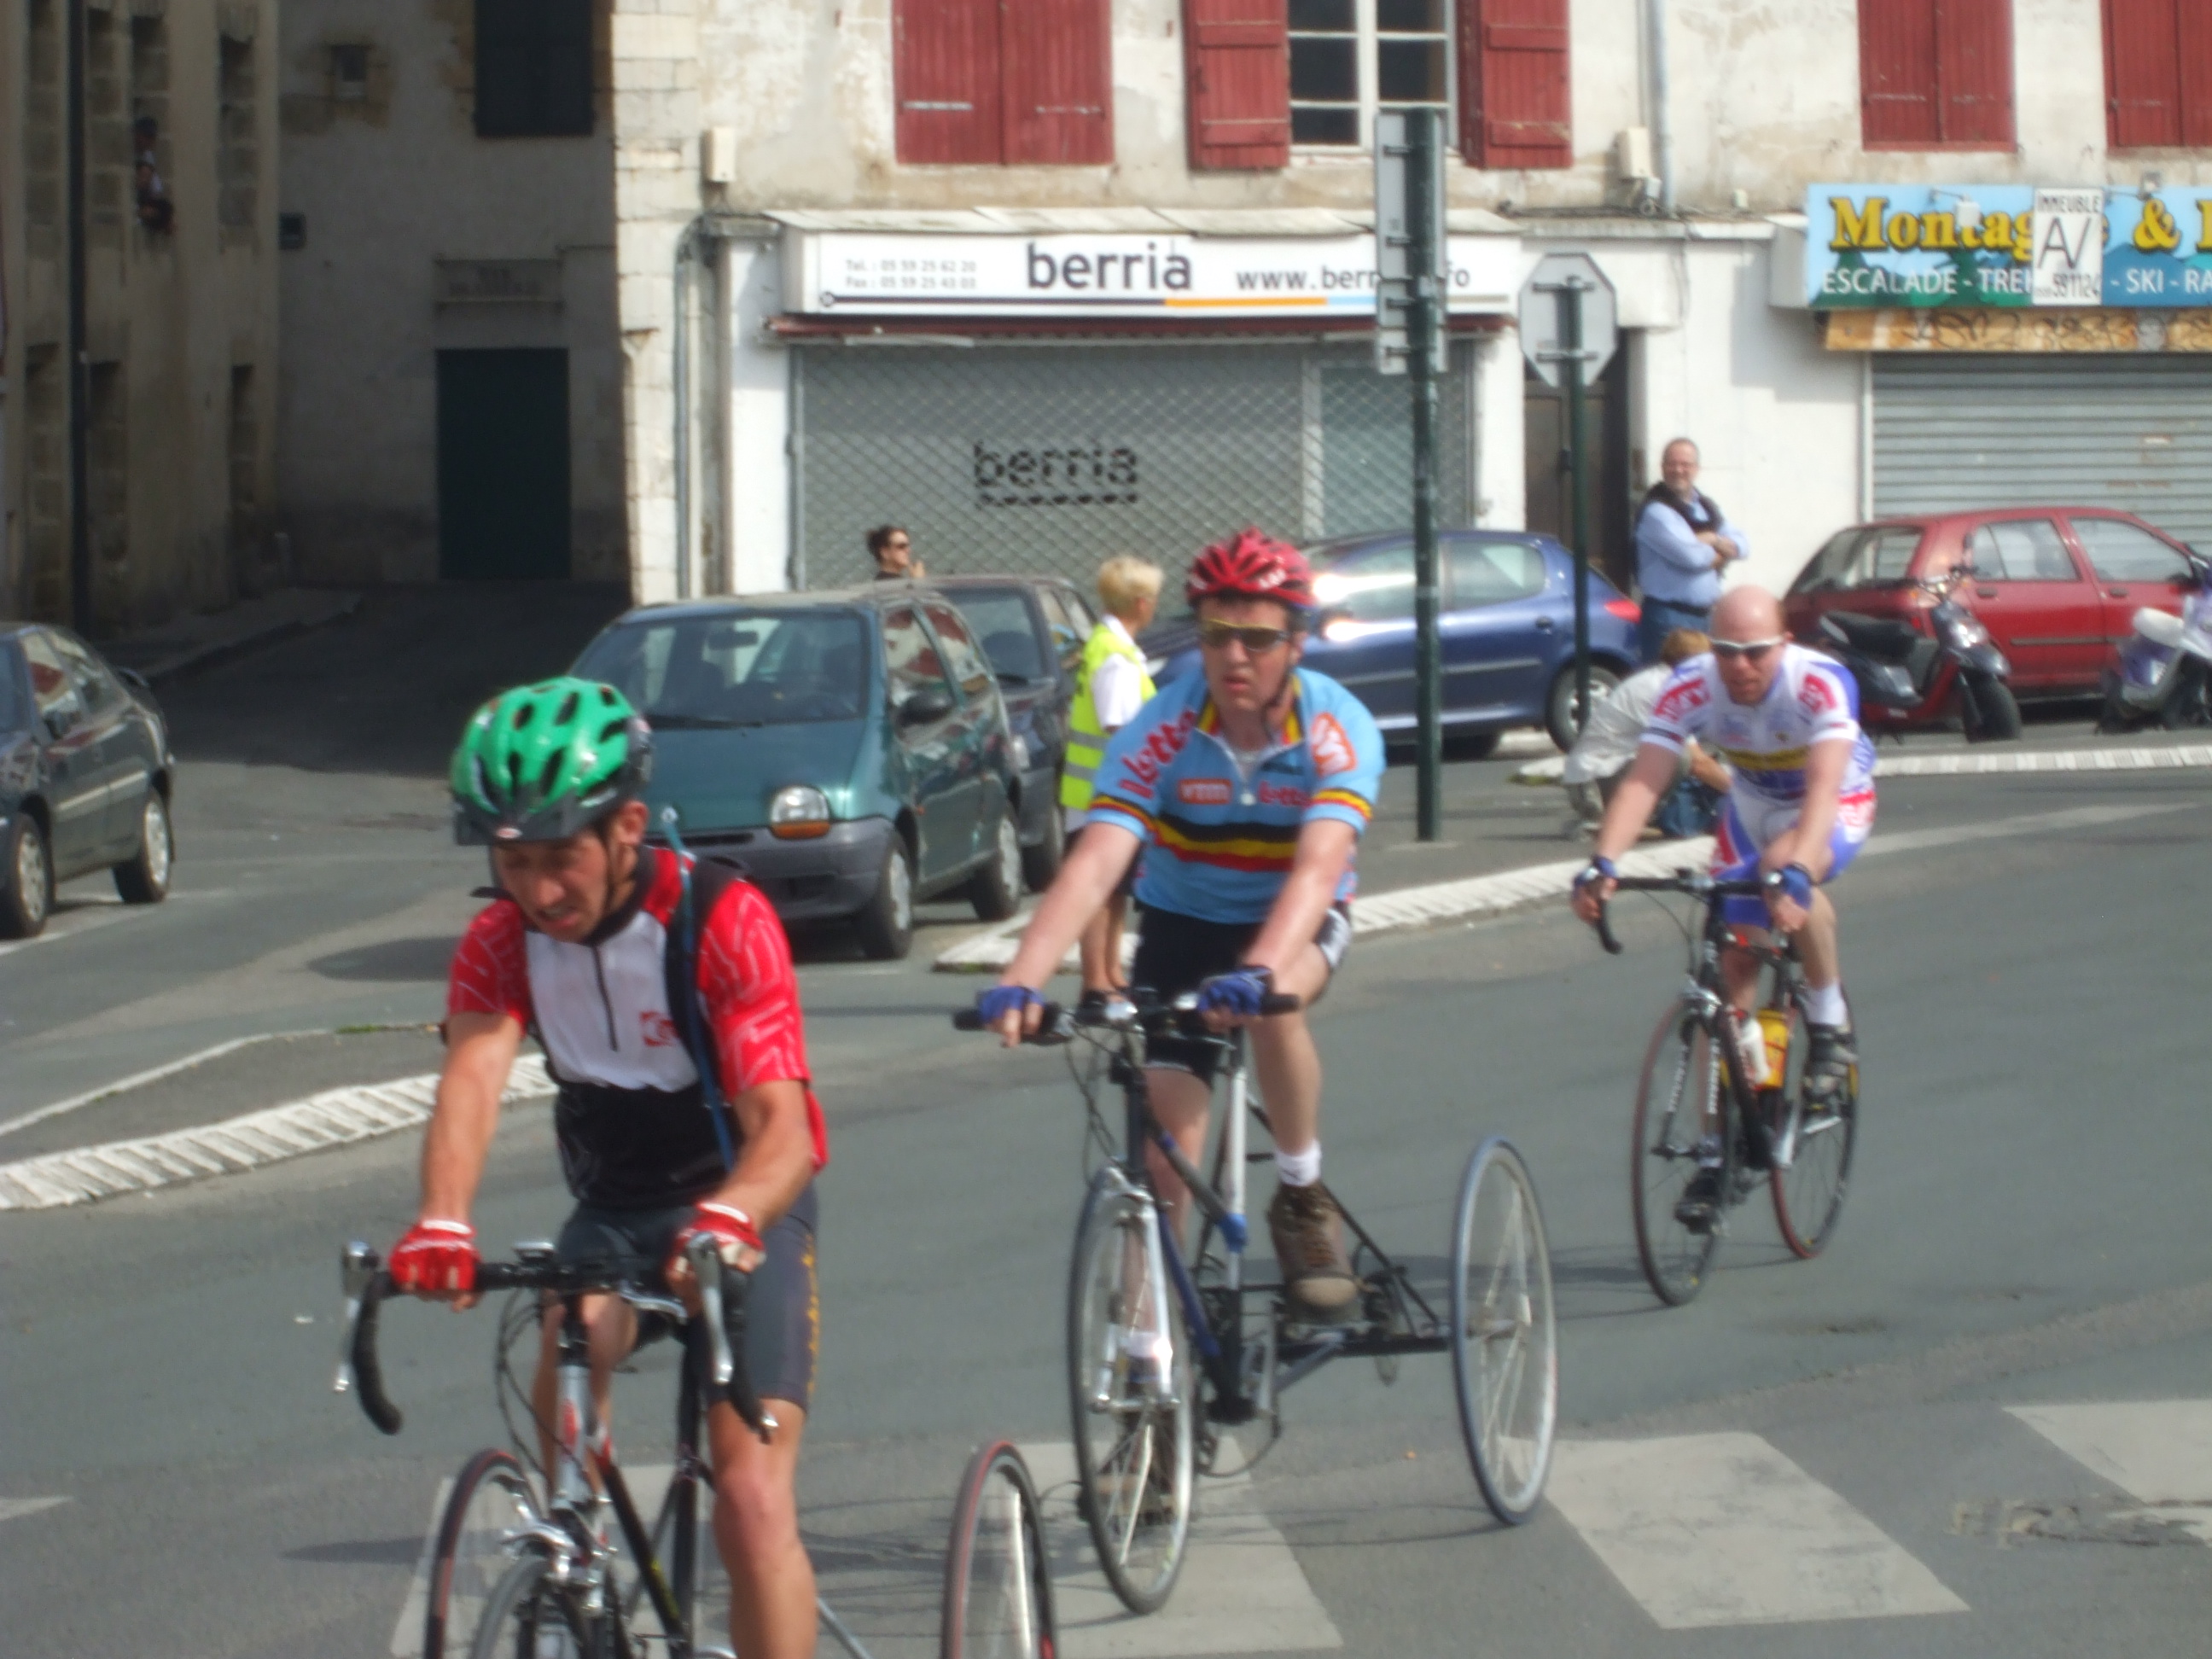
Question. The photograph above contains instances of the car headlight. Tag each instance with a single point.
(799, 812)
(1018, 752)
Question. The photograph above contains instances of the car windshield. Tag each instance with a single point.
(751, 668)
(1861, 556)
(1000, 617)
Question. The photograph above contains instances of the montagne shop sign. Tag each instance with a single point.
(1938, 246)
(1159, 276)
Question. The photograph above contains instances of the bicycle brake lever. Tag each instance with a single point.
(356, 1267)
(707, 1271)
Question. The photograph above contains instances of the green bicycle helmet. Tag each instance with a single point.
(545, 762)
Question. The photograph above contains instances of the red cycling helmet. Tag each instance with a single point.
(1251, 565)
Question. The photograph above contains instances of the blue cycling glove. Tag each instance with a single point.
(1238, 994)
(1598, 869)
(1794, 879)
(995, 1004)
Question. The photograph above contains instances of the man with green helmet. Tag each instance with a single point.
(631, 966)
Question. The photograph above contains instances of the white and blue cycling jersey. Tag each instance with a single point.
(1223, 826)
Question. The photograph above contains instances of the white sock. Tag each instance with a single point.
(1298, 1169)
(1823, 1005)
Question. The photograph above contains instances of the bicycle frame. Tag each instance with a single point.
(1243, 1388)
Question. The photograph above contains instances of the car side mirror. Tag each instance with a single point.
(60, 722)
(924, 707)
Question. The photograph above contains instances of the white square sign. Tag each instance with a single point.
(2069, 247)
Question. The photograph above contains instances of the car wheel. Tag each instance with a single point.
(28, 896)
(995, 890)
(1560, 705)
(145, 878)
(885, 923)
(1041, 863)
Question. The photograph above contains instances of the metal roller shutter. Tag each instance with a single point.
(1049, 459)
(1956, 432)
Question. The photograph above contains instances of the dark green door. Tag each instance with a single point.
(502, 465)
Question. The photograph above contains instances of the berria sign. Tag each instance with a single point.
(1072, 475)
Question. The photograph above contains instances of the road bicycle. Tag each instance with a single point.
(1166, 1353)
(998, 1574)
(515, 1578)
(1745, 1101)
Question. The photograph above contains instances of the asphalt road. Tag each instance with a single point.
(2025, 1227)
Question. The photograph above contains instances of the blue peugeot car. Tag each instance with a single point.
(1507, 625)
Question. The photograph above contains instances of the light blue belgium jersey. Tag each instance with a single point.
(1222, 838)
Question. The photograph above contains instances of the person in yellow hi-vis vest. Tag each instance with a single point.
(1112, 688)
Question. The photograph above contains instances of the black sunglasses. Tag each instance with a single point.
(1215, 636)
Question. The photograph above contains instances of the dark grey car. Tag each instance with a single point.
(86, 776)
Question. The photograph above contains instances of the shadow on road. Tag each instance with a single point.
(393, 961)
(387, 690)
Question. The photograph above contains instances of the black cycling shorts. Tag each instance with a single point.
(783, 1312)
(1175, 953)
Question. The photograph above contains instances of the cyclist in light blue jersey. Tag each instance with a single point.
(1251, 785)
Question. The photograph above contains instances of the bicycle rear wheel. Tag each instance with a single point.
(1808, 1192)
(1680, 1081)
(491, 1499)
(1133, 1436)
(1504, 1344)
(997, 1579)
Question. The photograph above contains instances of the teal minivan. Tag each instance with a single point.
(848, 748)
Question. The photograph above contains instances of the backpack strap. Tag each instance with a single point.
(704, 881)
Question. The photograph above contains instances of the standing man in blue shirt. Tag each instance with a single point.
(1683, 542)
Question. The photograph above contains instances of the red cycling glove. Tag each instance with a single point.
(435, 1256)
(732, 1229)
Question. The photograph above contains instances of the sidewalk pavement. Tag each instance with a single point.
(189, 642)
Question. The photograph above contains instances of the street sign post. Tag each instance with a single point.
(1411, 278)
(1569, 334)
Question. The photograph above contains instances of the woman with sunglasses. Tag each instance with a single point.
(1251, 783)
(1786, 721)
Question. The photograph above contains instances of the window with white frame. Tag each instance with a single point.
(1351, 58)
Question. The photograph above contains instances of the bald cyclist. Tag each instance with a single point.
(1786, 721)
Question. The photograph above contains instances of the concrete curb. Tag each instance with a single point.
(312, 611)
(1402, 908)
(1981, 762)
(335, 1117)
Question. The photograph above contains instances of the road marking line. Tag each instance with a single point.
(1982, 762)
(1241, 1590)
(335, 1117)
(15, 1509)
(2157, 1451)
(2075, 817)
(139, 1079)
(1712, 1529)
(99, 914)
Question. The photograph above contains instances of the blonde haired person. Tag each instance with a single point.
(1110, 689)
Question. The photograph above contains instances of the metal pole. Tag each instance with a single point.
(1422, 165)
(1570, 343)
(80, 368)
(1663, 121)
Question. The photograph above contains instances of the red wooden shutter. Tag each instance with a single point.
(946, 78)
(1237, 54)
(2158, 74)
(1974, 71)
(1896, 74)
(1516, 101)
(1059, 81)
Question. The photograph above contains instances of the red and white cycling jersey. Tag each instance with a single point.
(631, 1117)
(1812, 699)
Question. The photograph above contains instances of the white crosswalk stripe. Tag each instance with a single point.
(2157, 1451)
(15, 1509)
(1241, 1589)
(1723, 1529)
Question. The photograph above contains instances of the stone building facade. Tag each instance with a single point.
(170, 200)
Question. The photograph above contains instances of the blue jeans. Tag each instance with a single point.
(1660, 618)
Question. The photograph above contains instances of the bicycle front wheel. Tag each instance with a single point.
(1504, 1343)
(1679, 1085)
(491, 1500)
(527, 1618)
(997, 1581)
(1818, 1138)
(1132, 1414)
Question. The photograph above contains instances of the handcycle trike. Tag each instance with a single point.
(1145, 1417)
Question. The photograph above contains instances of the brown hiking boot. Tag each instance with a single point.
(1309, 1237)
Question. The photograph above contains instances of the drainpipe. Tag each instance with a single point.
(79, 371)
(687, 250)
(1662, 123)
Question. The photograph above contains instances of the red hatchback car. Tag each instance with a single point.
(2057, 586)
